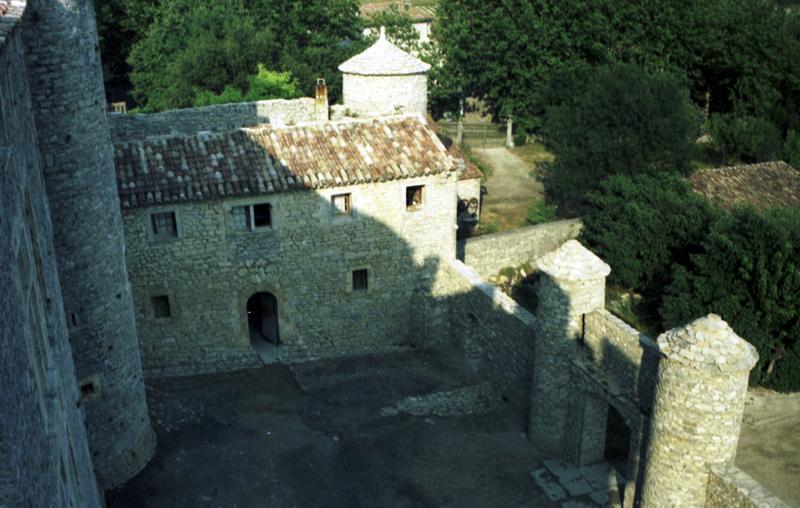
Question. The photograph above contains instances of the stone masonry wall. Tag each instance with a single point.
(68, 101)
(730, 487)
(462, 312)
(44, 452)
(305, 260)
(489, 254)
(627, 358)
(210, 118)
(385, 95)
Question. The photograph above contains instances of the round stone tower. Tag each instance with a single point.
(573, 284)
(697, 410)
(63, 64)
(385, 80)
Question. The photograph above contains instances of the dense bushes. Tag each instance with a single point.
(748, 271)
(614, 120)
(640, 224)
(689, 259)
(745, 138)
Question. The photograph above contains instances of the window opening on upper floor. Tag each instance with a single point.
(164, 225)
(342, 204)
(252, 217)
(414, 197)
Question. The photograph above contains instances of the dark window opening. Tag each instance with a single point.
(262, 319)
(73, 320)
(89, 388)
(161, 308)
(164, 225)
(360, 280)
(341, 204)
(414, 197)
(262, 215)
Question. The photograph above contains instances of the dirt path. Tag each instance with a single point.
(769, 445)
(510, 188)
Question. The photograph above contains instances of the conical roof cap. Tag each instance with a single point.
(573, 261)
(384, 59)
(708, 343)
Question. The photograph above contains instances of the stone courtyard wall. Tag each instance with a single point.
(730, 487)
(461, 312)
(44, 453)
(489, 254)
(306, 260)
(627, 358)
(210, 118)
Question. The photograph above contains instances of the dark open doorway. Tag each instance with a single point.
(262, 320)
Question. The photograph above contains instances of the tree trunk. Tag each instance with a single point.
(510, 133)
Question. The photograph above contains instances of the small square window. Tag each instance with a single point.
(262, 215)
(414, 197)
(241, 217)
(164, 225)
(360, 280)
(341, 204)
(161, 308)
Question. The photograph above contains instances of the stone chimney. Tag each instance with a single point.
(321, 105)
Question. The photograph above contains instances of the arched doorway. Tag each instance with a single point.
(262, 321)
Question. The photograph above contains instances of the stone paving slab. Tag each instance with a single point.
(578, 487)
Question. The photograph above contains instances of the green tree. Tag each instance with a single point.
(197, 46)
(614, 120)
(748, 271)
(265, 84)
(641, 224)
(745, 138)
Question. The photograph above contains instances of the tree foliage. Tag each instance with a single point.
(195, 47)
(265, 84)
(641, 224)
(614, 120)
(735, 57)
(748, 271)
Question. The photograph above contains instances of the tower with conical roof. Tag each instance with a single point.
(385, 80)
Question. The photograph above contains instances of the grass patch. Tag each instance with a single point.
(634, 310)
(483, 166)
(533, 152)
(540, 212)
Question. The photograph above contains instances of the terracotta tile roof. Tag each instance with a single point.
(268, 159)
(415, 12)
(471, 171)
(764, 185)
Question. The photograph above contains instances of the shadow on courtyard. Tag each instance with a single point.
(319, 434)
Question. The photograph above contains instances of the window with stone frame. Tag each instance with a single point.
(161, 308)
(252, 217)
(360, 279)
(342, 204)
(414, 197)
(164, 225)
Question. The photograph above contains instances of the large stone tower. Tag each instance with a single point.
(63, 63)
(385, 80)
(697, 410)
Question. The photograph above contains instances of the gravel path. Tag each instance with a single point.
(510, 188)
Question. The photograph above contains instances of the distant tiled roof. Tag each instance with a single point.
(268, 159)
(416, 13)
(471, 171)
(384, 59)
(764, 185)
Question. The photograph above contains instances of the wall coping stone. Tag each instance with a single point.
(709, 344)
(11, 12)
(498, 297)
(573, 261)
(747, 486)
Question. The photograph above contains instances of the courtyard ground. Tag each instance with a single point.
(769, 445)
(406, 429)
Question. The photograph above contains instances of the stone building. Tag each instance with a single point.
(327, 223)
